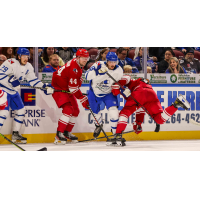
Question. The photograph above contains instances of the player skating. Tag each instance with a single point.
(100, 90)
(144, 94)
(69, 78)
(11, 72)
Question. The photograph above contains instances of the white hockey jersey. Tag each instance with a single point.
(101, 84)
(12, 67)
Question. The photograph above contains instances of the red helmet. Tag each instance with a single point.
(82, 53)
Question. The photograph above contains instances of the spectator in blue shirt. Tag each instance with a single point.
(124, 60)
(53, 64)
(175, 67)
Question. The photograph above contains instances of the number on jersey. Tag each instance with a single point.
(60, 70)
(73, 81)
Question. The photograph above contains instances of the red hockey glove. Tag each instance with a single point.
(84, 101)
(137, 128)
(115, 89)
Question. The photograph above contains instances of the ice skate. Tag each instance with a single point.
(117, 140)
(70, 136)
(97, 131)
(60, 138)
(18, 138)
(181, 102)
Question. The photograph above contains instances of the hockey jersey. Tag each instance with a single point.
(101, 84)
(13, 67)
(69, 78)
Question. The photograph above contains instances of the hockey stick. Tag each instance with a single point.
(46, 89)
(157, 129)
(43, 149)
(193, 122)
(104, 137)
(97, 121)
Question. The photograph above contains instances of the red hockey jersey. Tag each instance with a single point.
(69, 78)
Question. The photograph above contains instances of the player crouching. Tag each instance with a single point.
(144, 94)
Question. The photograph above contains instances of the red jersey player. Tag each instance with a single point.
(69, 78)
(144, 94)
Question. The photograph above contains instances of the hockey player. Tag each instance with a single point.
(69, 78)
(100, 90)
(144, 94)
(11, 72)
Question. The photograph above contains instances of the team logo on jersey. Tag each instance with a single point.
(75, 70)
(28, 97)
(10, 61)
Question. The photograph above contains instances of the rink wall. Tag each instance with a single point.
(42, 115)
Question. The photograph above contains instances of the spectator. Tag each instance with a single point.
(8, 52)
(158, 53)
(138, 61)
(30, 60)
(48, 51)
(102, 55)
(65, 53)
(124, 60)
(127, 69)
(164, 64)
(149, 70)
(190, 63)
(174, 66)
(53, 64)
(2, 59)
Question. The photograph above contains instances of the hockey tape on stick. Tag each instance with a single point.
(193, 122)
(43, 149)
(104, 137)
(157, 125)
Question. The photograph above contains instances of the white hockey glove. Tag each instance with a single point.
(103, 70)
(127, 92)
(48, 90)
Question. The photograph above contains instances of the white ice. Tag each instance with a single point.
(158, 145)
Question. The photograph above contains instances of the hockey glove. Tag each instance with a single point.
(137, 128)
(84, 101)
(115, 89)
(103, 70)
(14, 81)
(48, 89)
(126, 92)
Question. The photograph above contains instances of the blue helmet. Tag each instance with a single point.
(111, 56)
(23, 51)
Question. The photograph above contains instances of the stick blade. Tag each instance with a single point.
(43, 149)
(193, 122)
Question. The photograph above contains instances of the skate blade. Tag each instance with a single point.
(58, 142)
(72, 141)
(118, 144)
(19, 141)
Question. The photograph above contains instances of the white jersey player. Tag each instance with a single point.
(101, 90)
(11, 72)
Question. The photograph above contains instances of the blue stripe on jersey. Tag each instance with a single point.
(2, 117)
(36, 83)
(21, 122)
(1, 124)
(2, 74)
(27, 72)
(7, 88)
(114, 120)
(113, 127)
(33, 80)
(3, 77)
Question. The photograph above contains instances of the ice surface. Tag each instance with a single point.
(158, 145)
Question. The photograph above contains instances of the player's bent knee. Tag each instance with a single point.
(67, 109)
(159, 119)
(113, 112)
(76, 112)
(4, 113)
(20, 111)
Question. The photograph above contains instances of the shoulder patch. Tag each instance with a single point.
(75, 71)
(10, 61)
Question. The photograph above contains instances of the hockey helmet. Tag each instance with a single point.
(82, 53)
(111, 56)
(23, 51)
